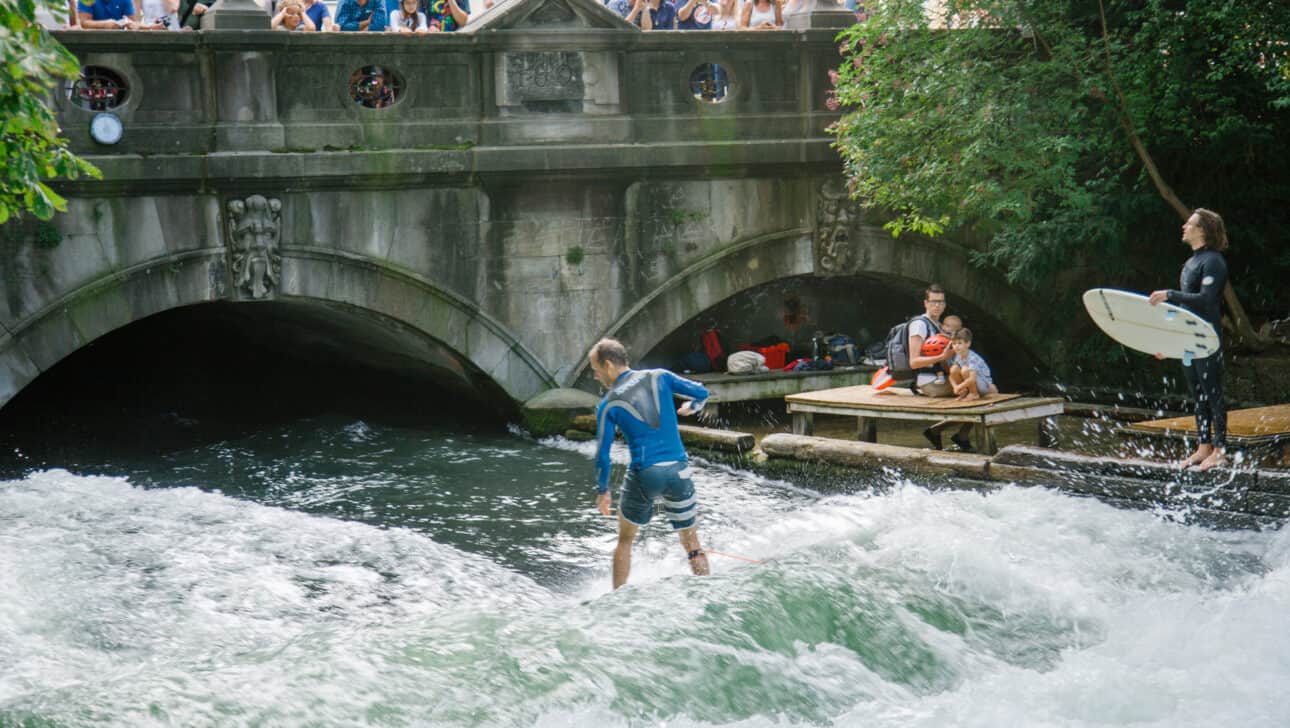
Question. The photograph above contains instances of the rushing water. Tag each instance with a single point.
(334, 572)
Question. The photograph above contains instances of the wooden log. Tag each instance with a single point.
(703, 437)
(874, 456)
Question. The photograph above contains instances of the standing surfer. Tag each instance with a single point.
(1204, 277)
(639, 403)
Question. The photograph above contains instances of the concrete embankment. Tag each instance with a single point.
(1222, 498)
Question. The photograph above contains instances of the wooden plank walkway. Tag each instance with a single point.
(869, 406)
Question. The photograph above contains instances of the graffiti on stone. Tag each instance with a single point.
(254, 231)
(544, 76)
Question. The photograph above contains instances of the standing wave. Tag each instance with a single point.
(128, 606)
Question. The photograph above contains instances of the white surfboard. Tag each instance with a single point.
(1165, 329)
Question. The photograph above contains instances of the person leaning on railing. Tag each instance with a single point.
(356, 15)
(761, 15)
(291, 16)
(108, 15)
(445, 16)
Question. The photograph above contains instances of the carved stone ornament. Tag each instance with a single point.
(837, 213)
(254, 231)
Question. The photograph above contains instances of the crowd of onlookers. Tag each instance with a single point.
(423, 16)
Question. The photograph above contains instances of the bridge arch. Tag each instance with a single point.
(436, 326)
(905, 264)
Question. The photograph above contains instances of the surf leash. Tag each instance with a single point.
(733, 556)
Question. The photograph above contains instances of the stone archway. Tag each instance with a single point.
(417, 307)
(685, 295)
(912, 262)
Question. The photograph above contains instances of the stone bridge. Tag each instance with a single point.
(548, 177)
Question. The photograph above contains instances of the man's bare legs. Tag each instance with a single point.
(690, 542)
(623, 552)
(627, 536)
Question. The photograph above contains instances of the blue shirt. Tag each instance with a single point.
(107, 9)
(622, 7)
(664, 17)
(316, 13)
(976, 363)
(640, 405)
(349, 14)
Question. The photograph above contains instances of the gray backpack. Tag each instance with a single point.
(898, 347)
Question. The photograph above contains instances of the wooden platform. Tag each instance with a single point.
(774, 385)
(1262, 431)
(869, 406)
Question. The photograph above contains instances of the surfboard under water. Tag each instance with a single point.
(1163, 329)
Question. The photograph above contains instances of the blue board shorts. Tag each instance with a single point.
(668, 482)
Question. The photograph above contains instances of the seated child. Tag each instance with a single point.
(949, 326)
(969, 374)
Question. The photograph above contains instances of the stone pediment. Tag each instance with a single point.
(547, 15)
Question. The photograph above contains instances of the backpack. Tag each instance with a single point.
(715, 348)
(696, 362)
(898, 347)
(875, 354)
(843, 350)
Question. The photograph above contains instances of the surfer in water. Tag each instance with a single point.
(639, 403)
(1204, 277)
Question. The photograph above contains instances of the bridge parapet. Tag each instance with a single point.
(568, 76)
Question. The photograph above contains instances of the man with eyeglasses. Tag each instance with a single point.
(926, 382)
(920, 329)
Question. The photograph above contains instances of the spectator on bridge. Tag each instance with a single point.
(407, 19)
(661, 15)
(696, 15)
(292, 16)
(727, 15)
(762, 15)
(160, 14)
(445, 16)
(356, 15)
(108, 15)
(622, 7)
(318, 14)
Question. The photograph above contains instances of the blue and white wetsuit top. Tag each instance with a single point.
(640, 404)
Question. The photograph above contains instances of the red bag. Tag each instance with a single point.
(711, 340)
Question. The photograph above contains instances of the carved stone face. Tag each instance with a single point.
(253, 249)
(255, 225)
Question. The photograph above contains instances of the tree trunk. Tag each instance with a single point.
(1246, 336)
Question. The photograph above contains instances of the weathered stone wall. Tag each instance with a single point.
(545, 179)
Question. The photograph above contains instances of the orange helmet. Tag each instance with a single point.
(935, 345)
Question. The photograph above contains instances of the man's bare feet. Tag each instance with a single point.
(1216, 459)
(1197, 457)
(969, 396)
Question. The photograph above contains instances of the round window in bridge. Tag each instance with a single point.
(710, 82)
(375, 87)
(98, 89)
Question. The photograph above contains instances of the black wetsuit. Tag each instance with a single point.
(1203, 279)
